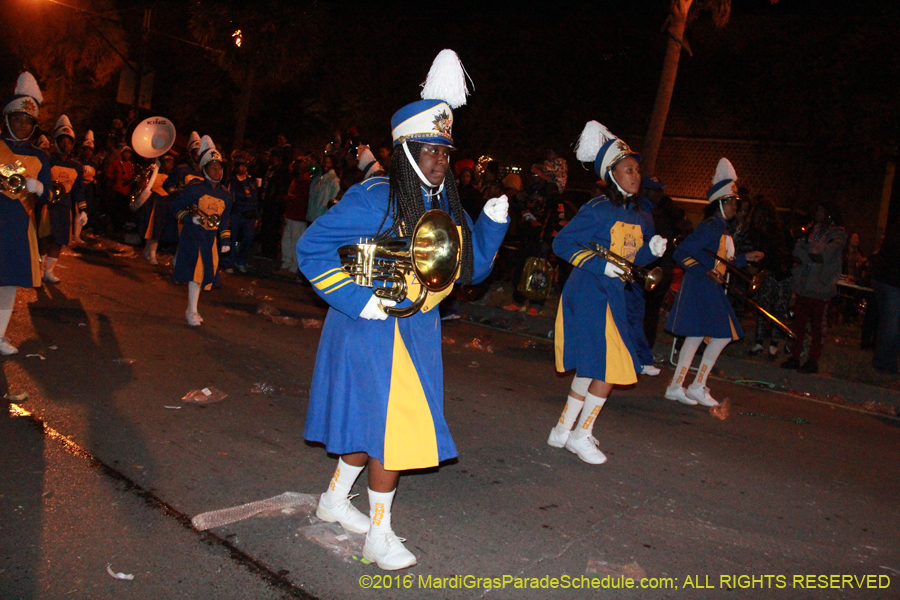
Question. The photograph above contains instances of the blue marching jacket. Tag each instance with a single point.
(58, 216)
(19, 258)
(591, 333)
(378, 386)
(701, 307)
(197, 258)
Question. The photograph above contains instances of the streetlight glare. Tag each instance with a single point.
(238, 36)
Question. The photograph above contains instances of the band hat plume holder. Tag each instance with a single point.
(599, 146)
(724, 182)
(26, 98)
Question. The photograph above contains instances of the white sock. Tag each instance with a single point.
(193, 296)
(380, 511)
(685, 358)
(592, 406)
(7, 302)
(569, 414)
(5, 316)
(714, 347)
(342, 481)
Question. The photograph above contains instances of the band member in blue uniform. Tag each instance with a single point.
(387, 413)
(88, 175)
(701, 308)
(591, 333)
(244, 214)
(160, 216)
(204, 208)
(187, 171)
(56, 221)
(19, 258)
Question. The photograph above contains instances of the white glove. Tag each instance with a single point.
(373, 311)
(195, 219)
(658, 245)
(34, 186)
(82, 219)
(613, 271)
(729, 247)
(497, 208)
(226, 249)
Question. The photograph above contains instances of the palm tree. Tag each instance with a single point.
(681, 13)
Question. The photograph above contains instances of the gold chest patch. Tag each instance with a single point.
(626, 239)
(64, 175)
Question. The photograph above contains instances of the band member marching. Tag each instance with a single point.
(591, 334)
(88, 175)
(188, 171)
(160, 202)
(56, 220)
(387, 413)
(25, 186)
(203, 208)
(701, 308)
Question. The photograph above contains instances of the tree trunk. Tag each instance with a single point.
(678, 20)
(240, 125)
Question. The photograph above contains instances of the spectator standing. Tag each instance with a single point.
(323, 188)
(296, 204)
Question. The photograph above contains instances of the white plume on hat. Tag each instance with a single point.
(64, 127)
(723, 181)
(446, 80)
(27, 85)
(193, 140)
(208, 151)
(592, 138)
(88, 139)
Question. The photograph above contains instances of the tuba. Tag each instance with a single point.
(151, 138)
(651, 277)
(432, 254)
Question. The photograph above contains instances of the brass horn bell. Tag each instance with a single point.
(432, 254)
(651, 277)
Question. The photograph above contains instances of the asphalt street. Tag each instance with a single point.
(104, 465)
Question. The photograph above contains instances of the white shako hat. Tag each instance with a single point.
(724, 182)
(193, 141)
(64, 127)
(43, 143)
(208, 152)
(88, 139)
(599, 146)
(26, 98)
(430, 120)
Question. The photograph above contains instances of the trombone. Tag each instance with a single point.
(753, 282)
(651, 277)
(207, 221)
(432, 253)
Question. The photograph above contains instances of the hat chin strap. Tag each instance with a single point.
(10, 130)
(619, 187)
(418, 171)
(722, 210)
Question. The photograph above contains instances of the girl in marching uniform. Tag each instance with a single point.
(701, 309)
(199, 207)
(88, 175)
(19, 264)
(159, 215)
(591, 334)
(390, 417)
(56, 221)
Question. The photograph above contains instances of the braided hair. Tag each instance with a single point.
(406, 206)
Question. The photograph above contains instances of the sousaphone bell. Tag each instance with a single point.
(432, 253)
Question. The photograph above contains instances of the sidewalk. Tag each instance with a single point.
(845, 373)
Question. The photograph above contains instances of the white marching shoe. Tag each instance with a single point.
(676, 392)
(587, 448)
(700, 393)
(6, 348)
(387, 551)
(650, 370)
(557, 439)
(193, 319)
(344, 513)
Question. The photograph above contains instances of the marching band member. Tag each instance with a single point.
(88, 175)
(160, 206)
(701, 309)
(56, 221)
(390, 417)
(204, 208)
(19, 265)
(188, 171)
(600, 350)
(244, 213)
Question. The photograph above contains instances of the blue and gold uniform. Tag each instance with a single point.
(198, 253)
(56, 218)
(591, 325)
(378, 385)
(701, 308)
(19, 257)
